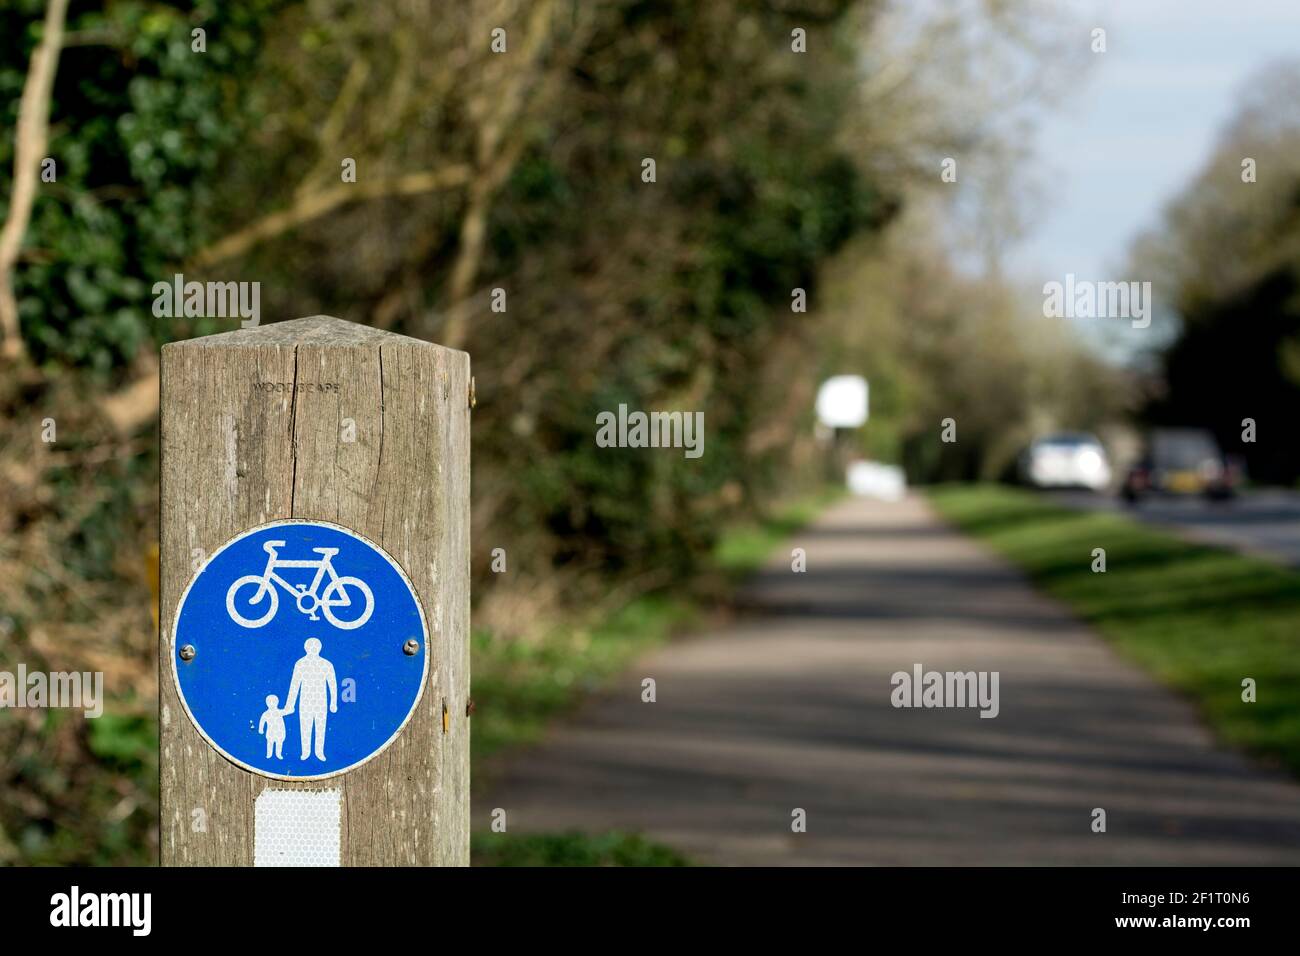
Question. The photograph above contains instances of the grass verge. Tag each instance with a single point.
(743, 548)
(1198, 618)
(570, 849)
(521, 685)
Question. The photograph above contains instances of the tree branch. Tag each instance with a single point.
(29, 150)
(315, 204)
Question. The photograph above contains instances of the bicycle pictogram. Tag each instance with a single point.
(308, 597)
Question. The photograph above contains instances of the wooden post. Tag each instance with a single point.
(254, 429)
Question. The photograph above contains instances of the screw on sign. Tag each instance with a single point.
(342, 661)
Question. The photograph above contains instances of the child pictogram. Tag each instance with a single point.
(272, 724)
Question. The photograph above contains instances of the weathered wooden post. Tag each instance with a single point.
(314, 625)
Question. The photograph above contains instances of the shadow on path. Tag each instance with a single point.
(789, 707)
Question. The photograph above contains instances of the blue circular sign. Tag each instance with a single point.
(300, 650)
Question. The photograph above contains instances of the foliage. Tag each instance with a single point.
(672, 294)
(1227, 256)
(935, 343)
(75, 596)
(140, 125)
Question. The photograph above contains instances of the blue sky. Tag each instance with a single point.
(1141, 123)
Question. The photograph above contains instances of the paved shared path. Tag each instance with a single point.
(788, 706)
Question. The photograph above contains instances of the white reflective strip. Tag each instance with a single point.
(297, 827)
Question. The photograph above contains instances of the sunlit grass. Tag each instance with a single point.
(1199, 618)
(520, 685)
(570, 849)
(742, 549)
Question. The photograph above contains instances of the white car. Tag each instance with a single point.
(1066, 460)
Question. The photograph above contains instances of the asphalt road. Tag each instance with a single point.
(1264, 523)
(789, 707)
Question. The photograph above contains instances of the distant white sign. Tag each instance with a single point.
(871, 480)
(842, 401)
